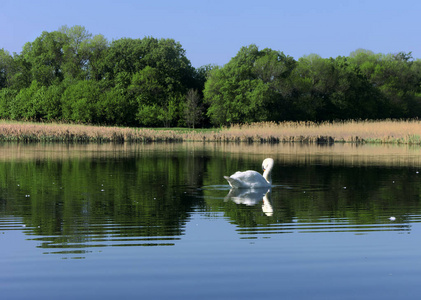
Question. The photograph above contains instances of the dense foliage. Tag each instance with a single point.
(70, 75)
(267, 85)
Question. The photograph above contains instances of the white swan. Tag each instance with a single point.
(252, 179)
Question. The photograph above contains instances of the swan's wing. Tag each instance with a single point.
(233, 182)
(247, 179)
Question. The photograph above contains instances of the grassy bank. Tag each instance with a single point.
(389, 131)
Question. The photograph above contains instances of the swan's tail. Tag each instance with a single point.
(233, 182)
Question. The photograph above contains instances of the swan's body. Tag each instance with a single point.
(252, 179)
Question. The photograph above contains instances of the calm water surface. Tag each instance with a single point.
(159, 221)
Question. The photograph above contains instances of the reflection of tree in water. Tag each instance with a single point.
(147, 197)
(356, 196)
(102, 201)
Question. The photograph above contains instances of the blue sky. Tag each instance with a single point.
(212, 32)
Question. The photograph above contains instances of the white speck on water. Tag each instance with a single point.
(344, 187)
(392, 218)
(417, 172)
(27, 196)
(102, 190)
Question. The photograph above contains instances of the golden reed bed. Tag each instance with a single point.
(388, 131)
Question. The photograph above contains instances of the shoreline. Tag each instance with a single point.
(378, 132)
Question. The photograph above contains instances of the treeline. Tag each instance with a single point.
(267, 85)
(69, 75)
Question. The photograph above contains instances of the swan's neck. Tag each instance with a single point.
(267, 175)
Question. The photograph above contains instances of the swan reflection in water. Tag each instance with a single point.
(251, 197)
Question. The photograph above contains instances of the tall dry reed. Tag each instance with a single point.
(388, 131)
(35, 132)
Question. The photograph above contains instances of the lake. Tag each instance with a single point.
(158, 221)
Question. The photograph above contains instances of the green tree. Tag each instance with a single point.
(46, 56)
(397, 78)
(147, 115)
(96, 49)
(83, 54)
(248, 87)
(169, 112)
(229, 90)
(51, 104)
(123, 55)
(7, 97)
(6, 68)
(214, 96)
(37, 103)
(200, 75)
(274, 69)
(20, 76)
(155, 72)
(80, 102)
(76, 52)
(354, 97)
(300, 103)
(147, 86)
(116, 107)
(27, 104)
(193, 109)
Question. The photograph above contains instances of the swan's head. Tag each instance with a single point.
(267, 164)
